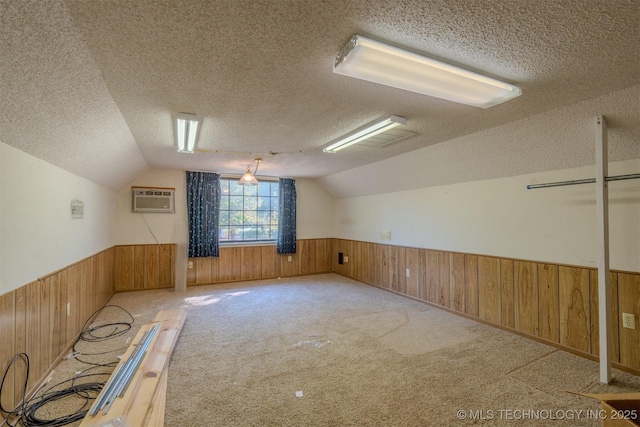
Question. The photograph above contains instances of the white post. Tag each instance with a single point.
(602, 206)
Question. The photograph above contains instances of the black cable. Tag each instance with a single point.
(95, 334)
(26, 412)
(87, 391)
(18, 410)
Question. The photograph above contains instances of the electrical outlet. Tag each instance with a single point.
(346, 258)
(68, 309)
(407, 272)
(628, 321)
(385, 235)
(290, 258)
(190, 264)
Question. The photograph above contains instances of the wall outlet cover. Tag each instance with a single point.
(628, 321)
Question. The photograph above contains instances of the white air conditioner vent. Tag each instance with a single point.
(153, 200)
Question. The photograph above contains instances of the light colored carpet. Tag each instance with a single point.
(360, 356)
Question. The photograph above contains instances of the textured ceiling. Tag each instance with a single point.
(91, 86)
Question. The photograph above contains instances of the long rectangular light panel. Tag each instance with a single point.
(380, 63)
(364, 132)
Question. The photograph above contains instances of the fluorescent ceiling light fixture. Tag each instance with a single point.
(377, 62)
(364, 132)
(250, 178)
(187, 128)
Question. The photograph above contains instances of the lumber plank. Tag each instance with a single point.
(143, 404)
(157, 410)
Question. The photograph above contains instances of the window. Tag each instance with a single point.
(248, 213)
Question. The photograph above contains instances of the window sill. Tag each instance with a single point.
(232, 244)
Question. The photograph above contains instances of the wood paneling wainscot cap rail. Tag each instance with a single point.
(553, 303)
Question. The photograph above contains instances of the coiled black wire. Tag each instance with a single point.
(27, 412)
(18, 410)
(101, 333)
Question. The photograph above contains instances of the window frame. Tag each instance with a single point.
(273, 227)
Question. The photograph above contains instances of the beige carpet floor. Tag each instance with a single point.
(325, 350)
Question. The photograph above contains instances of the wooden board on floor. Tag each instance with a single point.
(143, 403)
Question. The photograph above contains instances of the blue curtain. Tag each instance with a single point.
(203, 210)
(287, 217)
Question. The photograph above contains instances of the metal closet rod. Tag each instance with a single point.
(583, 181)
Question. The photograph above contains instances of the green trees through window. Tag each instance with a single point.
(248, 213)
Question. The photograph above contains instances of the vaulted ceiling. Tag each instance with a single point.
(91, 86)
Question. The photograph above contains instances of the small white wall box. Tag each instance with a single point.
(153, 200)
(77, 209)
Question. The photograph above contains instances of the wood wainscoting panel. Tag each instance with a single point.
(489, 294)
(355, 259)
(73, 293)
(433, 277)
(526, 293)
(411, 256)
(339, 247)
(33, 318)
(251, 262)
(507, 294)
(124, 268)
(32, 327)
(20, 368)
(139, 267)
(443, 297)
(44, 353)
(575, 310)
(382, 269)
(152, 267)
(549, 307)
(8, 345)
(364, 272)
(289, 265)
(323, 255)
(349, 259)
(229, 264)
(457, 281)
(166, 266)
(307, 253)
(423, 275)
(270, 262)
(56, 302)
(471, 284)
(629, 298)
(203, 270)
(396, 263)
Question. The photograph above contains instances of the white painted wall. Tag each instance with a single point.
(37, 232)
(314, 216)
(500, 217)
(147, 228)
(314, 211)
(314, 219)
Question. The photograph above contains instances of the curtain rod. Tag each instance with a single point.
(583, 181)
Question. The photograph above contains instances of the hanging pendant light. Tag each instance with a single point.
(249, 178)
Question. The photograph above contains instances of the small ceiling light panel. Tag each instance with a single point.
(187, 130)
(381, 63)
(365, 132)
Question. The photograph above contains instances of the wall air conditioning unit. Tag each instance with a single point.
(153, 200)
